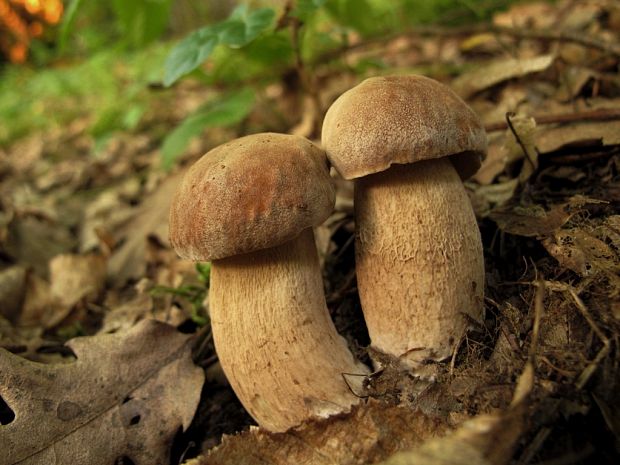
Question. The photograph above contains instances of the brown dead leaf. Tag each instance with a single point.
(582, 252)
(584, 134)
(37, 301)
(530, 14)
(535, 221)
(74, 278)
(127, 394)
(12, 291)
(128, 313)
(488, 75)
(151, 218)
(106, 213)
(532, 221)
(484, 440)
(485, 198)
(370, 433)
(33, 241)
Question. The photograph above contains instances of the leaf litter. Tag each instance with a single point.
(126, 394)
(538, 381)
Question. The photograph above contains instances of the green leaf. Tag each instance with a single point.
(306, 8)
(226, 111)
(204, 272)
(241, 28)
(141, 21)
(68, 20)
(189, 54)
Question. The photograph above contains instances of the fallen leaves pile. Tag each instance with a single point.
(103, 355)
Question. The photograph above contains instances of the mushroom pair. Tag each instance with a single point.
(249, 206)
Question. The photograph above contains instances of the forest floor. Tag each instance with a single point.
(84, 252)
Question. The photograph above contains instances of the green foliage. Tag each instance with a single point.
(68, 22)
(196, 295)
(110, 88)
(225, 111)
(358, 15)
(141, 21)
(304, 9)
(204, 273)
(241, 28)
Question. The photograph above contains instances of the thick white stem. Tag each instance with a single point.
(275, 339)
(419, 260)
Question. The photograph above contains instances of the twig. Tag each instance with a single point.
(526, 152)
(534, 446)
(538, 310)
(603, 114)
(593, 365)
(608, 48)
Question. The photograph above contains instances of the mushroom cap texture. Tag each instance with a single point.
(252, 193)
(401, 119)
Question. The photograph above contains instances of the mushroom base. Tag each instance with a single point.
(419, 260)
(275, 339)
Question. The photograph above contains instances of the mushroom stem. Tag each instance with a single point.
(284, 358)
(418, 257)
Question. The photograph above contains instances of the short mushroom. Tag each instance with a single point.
(419, 262)
(249, 206)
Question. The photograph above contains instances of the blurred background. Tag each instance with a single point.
(104, 60)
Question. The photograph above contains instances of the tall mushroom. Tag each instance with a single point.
(419, 262)
(249, 206)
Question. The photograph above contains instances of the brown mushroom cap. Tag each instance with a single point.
(401, 119)
(255, 192)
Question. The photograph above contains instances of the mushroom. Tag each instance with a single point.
(249, 206)
(419, 262)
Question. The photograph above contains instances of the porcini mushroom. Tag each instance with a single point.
(419, 262)
(249, 206)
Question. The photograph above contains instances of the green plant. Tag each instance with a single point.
(241, 28)
(195, 294)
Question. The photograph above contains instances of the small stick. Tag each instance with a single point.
(602, 114)
(593, 365)
(608, 48)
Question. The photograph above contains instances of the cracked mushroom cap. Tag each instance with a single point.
(252, 193)
(401, 119)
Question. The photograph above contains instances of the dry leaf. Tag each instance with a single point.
(12, 291)
(33, 241)
(582, 252)
(530, 14)
(484, 440)
(486, 76)
(37, 301)
(550, 139)
(127, 394)
(128, 313)
(372, 432)
(485, 198)
(73, 278)
(535, 221)
(129, 260)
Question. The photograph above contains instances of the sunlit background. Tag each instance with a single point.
(102, 60)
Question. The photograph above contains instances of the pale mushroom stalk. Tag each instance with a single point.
(407, 141)
(418, 259)
(284, 358)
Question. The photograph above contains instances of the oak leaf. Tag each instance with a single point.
(126, 395)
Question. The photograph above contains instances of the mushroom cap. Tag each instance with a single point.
(401, 119)
(252, 193)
